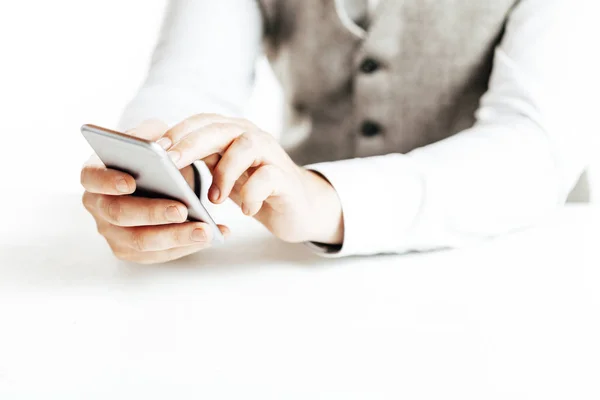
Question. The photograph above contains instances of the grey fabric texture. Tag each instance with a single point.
(434, 58)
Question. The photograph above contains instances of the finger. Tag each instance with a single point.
(96, 178)
(187, 126)
(242, 154)
(211, 139)
(189, 176)
(235, 192)
(155, 257)
(152, 129)
(134, 211)
(225, 231)
(265, 182)
(160, 238)
(212, 161)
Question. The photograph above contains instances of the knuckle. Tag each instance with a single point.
(138, 241)
(176, 236)
(112, 208)
(247, 140)
(152, 215)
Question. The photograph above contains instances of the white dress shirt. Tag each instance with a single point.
(529, 146)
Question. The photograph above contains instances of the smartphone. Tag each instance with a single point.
(156, 176)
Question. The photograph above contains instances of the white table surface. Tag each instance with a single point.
(514, 318)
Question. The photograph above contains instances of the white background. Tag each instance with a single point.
(516, 317)
(66, 63)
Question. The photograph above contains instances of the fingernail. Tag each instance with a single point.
(165, 143)
(198, 235)
(214, 193)
(173, 214)
(174, 155)
(122, 186)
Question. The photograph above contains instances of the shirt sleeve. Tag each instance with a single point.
(203, 62)
(518, 163)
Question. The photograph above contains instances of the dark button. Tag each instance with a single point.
(370, 129)
(368, 66)
(300, 107)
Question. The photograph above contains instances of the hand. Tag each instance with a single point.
(139, 229)
(251, 168)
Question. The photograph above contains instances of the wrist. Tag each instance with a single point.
(326, 219)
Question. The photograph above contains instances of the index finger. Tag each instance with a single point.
(199, 121)
(211, 139)
(96, 178)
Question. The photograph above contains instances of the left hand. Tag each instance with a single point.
(138, 229)
(251, 168)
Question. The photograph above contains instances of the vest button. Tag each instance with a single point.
(369, 65)
(370, 129)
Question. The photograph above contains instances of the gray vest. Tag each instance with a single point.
(415, 76)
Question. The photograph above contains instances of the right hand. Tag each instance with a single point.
(137, 229)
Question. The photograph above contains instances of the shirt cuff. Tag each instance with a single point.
(380, 197)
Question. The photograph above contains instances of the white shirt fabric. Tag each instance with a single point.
(529, 146)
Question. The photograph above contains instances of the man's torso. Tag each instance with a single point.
(362, 81)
